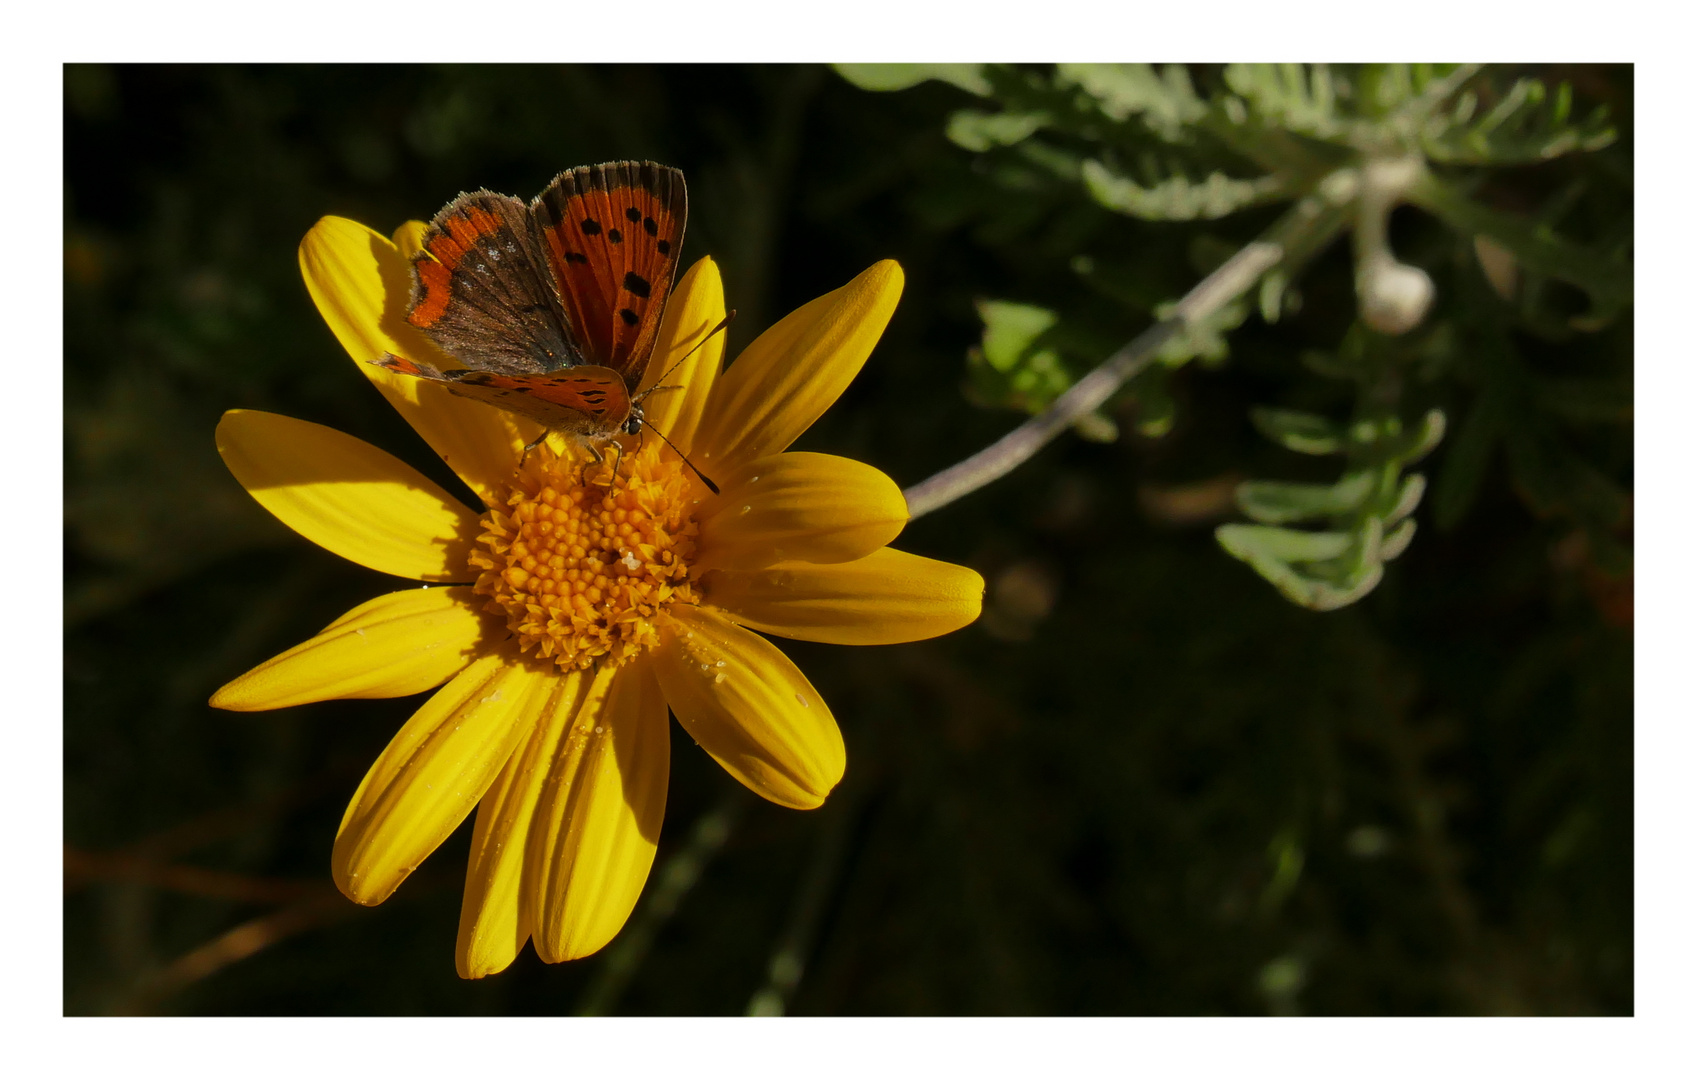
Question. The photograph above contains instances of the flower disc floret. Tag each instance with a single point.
(582, 570)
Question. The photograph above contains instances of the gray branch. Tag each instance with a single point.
(1231, 280)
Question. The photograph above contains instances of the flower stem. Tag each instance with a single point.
(1308, 226)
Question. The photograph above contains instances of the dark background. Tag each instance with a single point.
(1143, 783)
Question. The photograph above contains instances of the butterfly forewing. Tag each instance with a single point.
(481, 293)
(611, 235)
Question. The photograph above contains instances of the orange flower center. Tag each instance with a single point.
(581, 570)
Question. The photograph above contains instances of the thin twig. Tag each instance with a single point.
(235, 945)
(82, 867)
(1214, 292)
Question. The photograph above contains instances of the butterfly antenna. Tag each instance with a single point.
(726, 321)
(711, 486)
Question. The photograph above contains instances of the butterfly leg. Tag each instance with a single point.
(600, 460)
(533, 444)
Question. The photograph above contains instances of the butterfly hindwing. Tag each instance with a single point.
(611, 236)
(481, 289)
(581, 400)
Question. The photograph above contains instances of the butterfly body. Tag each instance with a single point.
(553, 307)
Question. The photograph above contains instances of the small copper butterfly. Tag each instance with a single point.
(554, 307)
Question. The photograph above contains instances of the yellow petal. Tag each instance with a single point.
(793, 372)
(696, 306)
(361, 283)
(349, 497)
(409, 238)
(397, 644)
(756, 714)
(496, 914)
(433, 772)
(890, 596)
(813, 507)
(598, 819)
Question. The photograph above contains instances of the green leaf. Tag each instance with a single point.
(1524, 127)
(1271, 553)
(1273, 502)
(1273, 295)
(1408, 498)
(1011, 369)
(1010, 330)
(1178, 198)
(1420, 441)
(969, 77)
(1284, 545)
(1290, 97)
(1204, 340)
(1607, 280)
(1397, 542)
(1302, 432)
(1166, 103)
(977, 131)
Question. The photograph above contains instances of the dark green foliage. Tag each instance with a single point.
(1143, 782)
(1348, 144)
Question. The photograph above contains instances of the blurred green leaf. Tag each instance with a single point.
(1296, 98)
(1011, 331)
(978, 131)
(1302, 432)
(1204, 340)
(1011, 368)
(1272, 502)
(969, 77)
(1607, 279)
(1252, 542)
(1165, 102)
(1177, 197)
(1527, 124)
(1397, 542)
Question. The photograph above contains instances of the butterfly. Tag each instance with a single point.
(553, 307)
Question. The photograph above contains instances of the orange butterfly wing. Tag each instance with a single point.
(611, 235)
(585, 400)
(481, 291)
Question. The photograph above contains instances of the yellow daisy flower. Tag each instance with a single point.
(568, 617)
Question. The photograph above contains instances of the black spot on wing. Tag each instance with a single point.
(664, 247)
(628, 316)
(576, 257)
(614, 236)
(649, 227)
(591, 227)
(633, 214)
(636, 285)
